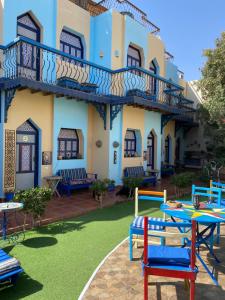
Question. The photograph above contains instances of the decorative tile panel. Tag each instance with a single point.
(10, 161)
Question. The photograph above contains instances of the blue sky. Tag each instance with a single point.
(187, 27)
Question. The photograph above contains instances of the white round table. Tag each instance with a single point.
(5, 208)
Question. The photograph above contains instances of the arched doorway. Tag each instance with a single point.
(29, 58)
(26, 156)
(167, 158)
(177, 151)
(151, 151)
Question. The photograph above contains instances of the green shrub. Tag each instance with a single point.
(99, 187)
(183, 180)
(131, 183)
(34, 201)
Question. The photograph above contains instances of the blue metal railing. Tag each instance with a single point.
(25, 58)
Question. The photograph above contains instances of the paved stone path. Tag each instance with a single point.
(121, 279)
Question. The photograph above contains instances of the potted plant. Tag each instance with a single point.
(131, 183)
(110, 184)
(9, 194)
(99, 187)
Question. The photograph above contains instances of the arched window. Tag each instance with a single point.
(28, 60)
(153, 80)
(27, 27)
(130, 143)
(68, 144)
(153, 67)
(150, 150)
(71, 44)
(133, 57)
(167, 150)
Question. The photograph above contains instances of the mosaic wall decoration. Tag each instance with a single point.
(10, 161)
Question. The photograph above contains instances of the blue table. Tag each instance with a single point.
(207, 215)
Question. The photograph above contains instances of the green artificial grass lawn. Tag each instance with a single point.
(58, 259)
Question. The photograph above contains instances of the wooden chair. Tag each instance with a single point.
(168, 261)
(137, 226)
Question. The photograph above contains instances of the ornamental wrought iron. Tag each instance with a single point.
(10, 161)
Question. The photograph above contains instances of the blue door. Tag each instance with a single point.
(26, 157)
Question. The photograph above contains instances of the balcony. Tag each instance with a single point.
(125, 7)
(27, 64)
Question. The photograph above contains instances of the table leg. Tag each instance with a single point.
(210, 273)
(4, 226)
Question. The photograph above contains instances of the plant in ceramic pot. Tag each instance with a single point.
(9, 194)
(99, 187)
(110, 184)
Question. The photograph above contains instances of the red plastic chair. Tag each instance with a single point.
(167, 261)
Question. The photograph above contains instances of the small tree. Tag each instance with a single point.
(131, 183)
(34, 202)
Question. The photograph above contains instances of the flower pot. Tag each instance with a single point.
(111, 187)
(9, 196)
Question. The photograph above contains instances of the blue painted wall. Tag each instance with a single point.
(45, 12)
(171, 72)
(1, 142)
(101, 39)
(136, 34)
(115, 170)
(73, 115)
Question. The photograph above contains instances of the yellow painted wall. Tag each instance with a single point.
(39, 108)
(156, 49)
(170, 129)
(133, 118)
(74, 18)
(97, 157)
(183, 83)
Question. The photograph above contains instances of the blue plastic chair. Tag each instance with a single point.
(168, 261)
(219, 185)
(214, 196)
(137, 226)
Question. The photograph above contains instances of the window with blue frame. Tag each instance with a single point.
(71, 44)
(68, 144)
(130, 144)
(29, 58)
(134, 59)
(153, 80)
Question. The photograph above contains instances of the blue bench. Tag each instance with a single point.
(12, 271)
(74, 179)
(139, 172)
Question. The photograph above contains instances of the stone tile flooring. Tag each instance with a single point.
(121, 279)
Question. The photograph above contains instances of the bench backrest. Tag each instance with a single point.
(134, 171)
(141, 195)
(73, 174)
(213, 194)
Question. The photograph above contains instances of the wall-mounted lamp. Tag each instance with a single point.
(117, 53)
(101, 54)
